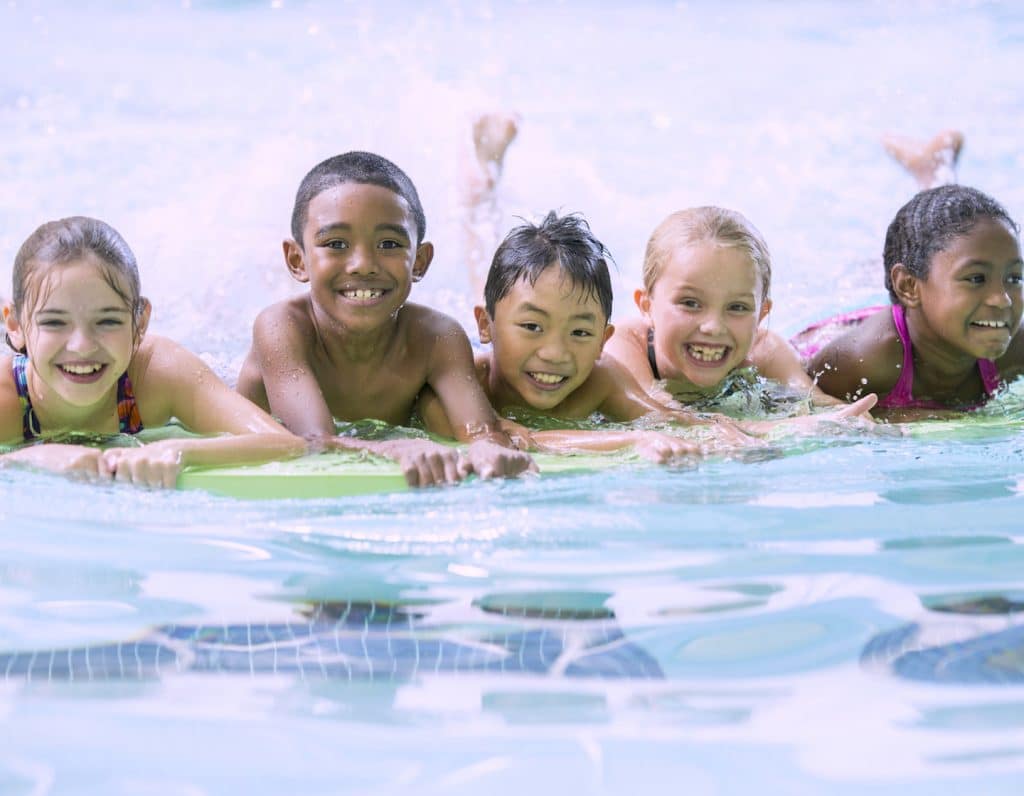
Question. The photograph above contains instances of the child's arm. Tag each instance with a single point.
(777, 360)
(174, 382)
(653, 445)
(622, 398)
(280, 346)
(452, 376)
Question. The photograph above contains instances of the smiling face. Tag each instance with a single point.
(547, 337)
(704, 308)
(78, 334)
(358, 254)
(971, 302)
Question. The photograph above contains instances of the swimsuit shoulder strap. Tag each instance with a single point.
(901, 393)
(29, 422)
(652, 360)
(989, 372)
(128, 418)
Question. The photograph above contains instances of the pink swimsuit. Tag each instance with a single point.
(815, 337)
(901, 395)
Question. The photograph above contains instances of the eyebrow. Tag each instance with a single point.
(686, 286)
(398, 229)
(49, 311)
(526, 306)
(978, 263)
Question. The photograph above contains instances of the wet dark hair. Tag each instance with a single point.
(928, 223)
(566, 242)
(364, 168)
(67, 240)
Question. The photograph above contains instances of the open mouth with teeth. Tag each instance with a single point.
(546, 381)
(990, 325)
(363, 294)
(82, 372)
(705, 354)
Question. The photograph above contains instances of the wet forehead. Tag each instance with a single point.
(358, 204)
(710, 267)
(81, 284)
(555, 294)
(988, 241)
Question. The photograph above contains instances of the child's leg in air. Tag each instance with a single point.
(479, 172)
(931, 163)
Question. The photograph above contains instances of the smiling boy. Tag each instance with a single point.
(547, 301)
(352, 347)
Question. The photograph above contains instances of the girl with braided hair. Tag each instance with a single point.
(952, 334)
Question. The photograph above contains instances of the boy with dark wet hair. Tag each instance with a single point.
(353, 347)
(547, 302)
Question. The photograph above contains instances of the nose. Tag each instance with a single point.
(1000, 297)
(81, 340)
(554, 350)
(362, 260)
(711, 323)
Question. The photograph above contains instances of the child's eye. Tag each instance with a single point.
(336, 244)
(1015, 279)
(975, 279)
(742, 308)
(529, 326)
(582, 333)
(52, 323)
(689, 303)
(111, 322)
(389, 244)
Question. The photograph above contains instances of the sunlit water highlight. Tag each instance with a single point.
(776, 597)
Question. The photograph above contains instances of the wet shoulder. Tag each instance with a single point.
(160, 372)
(292, 317)
(868, 355)
(629, 340)
(425, 327)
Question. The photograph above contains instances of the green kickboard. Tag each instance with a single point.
(341, 475)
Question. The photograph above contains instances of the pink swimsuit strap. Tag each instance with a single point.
(902, 396)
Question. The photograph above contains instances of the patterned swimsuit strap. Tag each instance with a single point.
(129, 420)
(29, 422)
(652, 360)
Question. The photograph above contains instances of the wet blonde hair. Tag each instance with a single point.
(725, 228)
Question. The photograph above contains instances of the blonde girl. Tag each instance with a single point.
(706, 291)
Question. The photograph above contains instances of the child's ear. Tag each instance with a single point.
(15, 334)
(483, 323)
(905, 285)
(766, 307)
(295, 259)
(643, 301)
(143, 325)
(424, 256)
(609, 330)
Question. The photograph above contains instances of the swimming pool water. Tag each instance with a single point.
(843, 618)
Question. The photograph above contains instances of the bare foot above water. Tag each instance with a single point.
(930, 163)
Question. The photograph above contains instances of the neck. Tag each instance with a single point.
(938, 366)
(358, 346)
